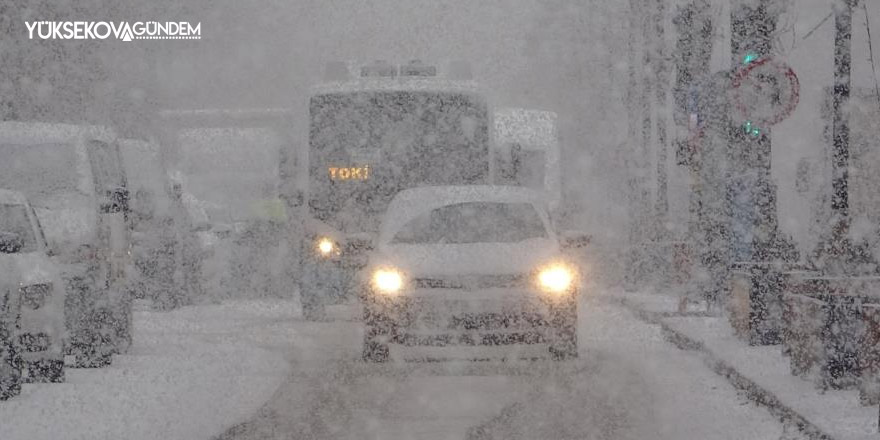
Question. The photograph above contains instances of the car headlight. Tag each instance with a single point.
(326, 247)
(34, 296)
(556, 278)
(388, 281)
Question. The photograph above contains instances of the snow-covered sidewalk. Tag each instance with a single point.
(835, 413)
(191, 374)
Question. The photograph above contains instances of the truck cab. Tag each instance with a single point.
(375, 130)
(527, 152)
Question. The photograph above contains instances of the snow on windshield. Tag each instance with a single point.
(14, 220)
(473, 222)
(40, 171)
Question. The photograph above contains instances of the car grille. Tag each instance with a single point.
(34, 342)
(494, 321)
(354, 255)
(34, 296)
(472, 282)
(472, 339)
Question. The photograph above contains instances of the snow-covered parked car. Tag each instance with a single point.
(465, 271)
(72, 175)
(25, 262)
(10, 355)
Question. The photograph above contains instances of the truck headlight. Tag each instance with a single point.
(326, 247)
(556, 278)
(34, 296)
(388, 281)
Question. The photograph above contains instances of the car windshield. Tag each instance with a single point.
(474, 222)
(107, 165)
(14, 220)
(38, 170)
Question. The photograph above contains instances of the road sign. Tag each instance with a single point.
(765, 92)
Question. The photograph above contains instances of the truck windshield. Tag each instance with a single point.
(367, 146)
(231, 168)
(106, 164)
(474, 222)
(38, 170)
(14, 220)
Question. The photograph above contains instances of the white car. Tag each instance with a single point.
(25, 261)
(465, 271)
(73, 177)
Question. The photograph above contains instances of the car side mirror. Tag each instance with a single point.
(10, 242)
(294, 199)
(116, 200)
(360, 242)
(108, 207)
(575, 239)
(222, 230)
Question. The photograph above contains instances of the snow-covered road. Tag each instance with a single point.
(255, 370)
(628, 384)
(190, 374)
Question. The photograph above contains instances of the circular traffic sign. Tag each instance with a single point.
(765, 92)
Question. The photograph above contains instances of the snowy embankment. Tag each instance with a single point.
(191, 374)
(630, 384)
(763, 371)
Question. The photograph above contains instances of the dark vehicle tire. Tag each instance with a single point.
(375, 352)
(563, 319)
(93, 347)
(46, 371)
(10, 365)
(87, 356)
(122, 330)
(377, 333)
(312, 292)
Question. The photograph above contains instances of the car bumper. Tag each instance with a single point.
(488, 317)
(40, 336)
(95, 315)
(468, 353)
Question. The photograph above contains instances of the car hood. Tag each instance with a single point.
(467, 259)
(27, 268)
(68, 222)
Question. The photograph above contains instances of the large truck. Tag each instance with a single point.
(377, 129)
(228, 157)
(227, 163)
(527, 152)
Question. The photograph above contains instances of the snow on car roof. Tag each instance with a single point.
(220, 117)
(42, 132)
(409, 203)
(371, 84)
(531, 128)
(10, 197)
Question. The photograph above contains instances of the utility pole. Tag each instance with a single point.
(661, 77)
(837, 254)
(645, 106)
(840, 127)
(693, 48)
(750, 146)
(639, 137)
